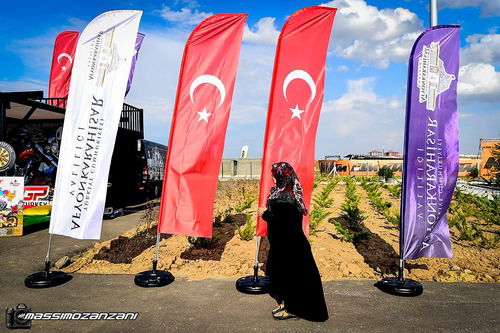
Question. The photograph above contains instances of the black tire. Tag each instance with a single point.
(7, 156)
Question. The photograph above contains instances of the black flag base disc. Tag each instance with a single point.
(395, 286)
(254, 285)
(153, 278)
(46, 279)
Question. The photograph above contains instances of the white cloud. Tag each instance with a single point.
(487, 7)
(479, 82)
(185, 16)
(242, 114)
(371, 35)
(463, 115)
(76, 23)
(481, 48)
(263, 32)
(188, 3)
(342, 68)
(155, 87)
(155, 80)
(361, 110)
(253, 81)
(35, 53)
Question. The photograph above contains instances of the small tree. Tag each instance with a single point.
(495, 170)
(474, 173)
(247, 231)
(385, 172)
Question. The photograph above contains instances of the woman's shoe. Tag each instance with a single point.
(284, 315)
(279, 309)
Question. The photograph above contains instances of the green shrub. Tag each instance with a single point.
(348, 235)
(246, 204)
(359, 236)
(382, 206)
(247, 231)
(222, 216)
(474, 173)
(395, 190)
(385, 172)
(204, 243)
(322, 199)
(318, 214)
(345, 234)
(393, 218)
(353, 215)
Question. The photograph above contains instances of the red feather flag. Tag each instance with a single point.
(199, 123)
(297, 91)
(62, 63)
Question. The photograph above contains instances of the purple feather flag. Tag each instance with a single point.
(431, 144)
(138, 43)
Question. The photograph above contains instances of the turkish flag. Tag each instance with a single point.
(297, 90)
(62, 63)
(199, 123)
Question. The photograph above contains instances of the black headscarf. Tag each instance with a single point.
(288, 188)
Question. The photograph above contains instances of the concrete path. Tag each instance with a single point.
(216, 306)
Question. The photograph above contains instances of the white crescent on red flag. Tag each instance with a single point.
(199, 123)
(297, 90)
(62, 64)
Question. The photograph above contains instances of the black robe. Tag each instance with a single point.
(290, 264)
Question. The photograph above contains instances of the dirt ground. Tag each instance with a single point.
(228, 256)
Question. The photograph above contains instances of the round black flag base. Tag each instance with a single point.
(46, 279)
(254, 284)
(153, 278)
(398, 287)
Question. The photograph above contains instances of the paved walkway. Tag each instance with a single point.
(216, 306)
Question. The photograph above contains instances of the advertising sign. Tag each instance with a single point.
(11, 206)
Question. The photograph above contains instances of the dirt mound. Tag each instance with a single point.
(226, 255)
(123, 249)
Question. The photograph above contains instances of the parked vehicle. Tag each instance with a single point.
(136, 172)
(32, 125)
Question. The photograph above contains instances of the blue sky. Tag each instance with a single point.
(365, 84)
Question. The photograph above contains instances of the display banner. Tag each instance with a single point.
(430, 166)
(295, 101)
(138, 43)
(11, 206)
(99, 79)
(62, 63)
(199, 122)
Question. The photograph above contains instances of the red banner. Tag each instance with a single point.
(199, 123)
(62, 63)
(295, 101)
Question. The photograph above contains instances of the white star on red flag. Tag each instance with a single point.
(296, 112)
(204, 115)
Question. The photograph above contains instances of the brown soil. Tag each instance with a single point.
(123, 249)
(230, 257)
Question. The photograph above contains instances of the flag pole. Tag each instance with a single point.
(47, 278)
(154, 277)
(434, 13)
(400, 286)
(254, 284)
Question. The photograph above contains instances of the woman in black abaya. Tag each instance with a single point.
(296, 283)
